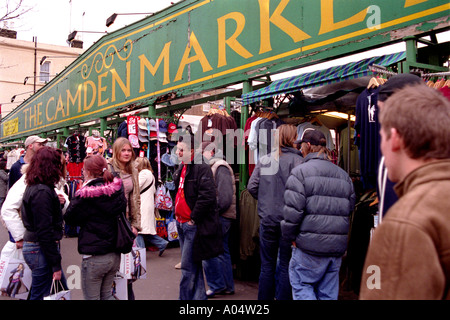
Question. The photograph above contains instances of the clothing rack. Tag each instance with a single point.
(437, 74)
(379, 69)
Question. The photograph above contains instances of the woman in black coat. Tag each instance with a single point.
(42, 219)
(95, 208)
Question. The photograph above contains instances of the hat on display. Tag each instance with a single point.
(314, 137)
(161, 136)
(142, 124)
(395, 83)
(152, 124)
(172, 128)
(142, 138)
(168, 159)
(34, 139)
(162, 126)
(143, 133)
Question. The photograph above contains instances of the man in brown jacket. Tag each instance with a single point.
(409, 255)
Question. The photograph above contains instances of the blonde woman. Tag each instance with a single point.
(147, 185)
(122, 165)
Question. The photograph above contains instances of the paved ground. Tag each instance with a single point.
(162, 281)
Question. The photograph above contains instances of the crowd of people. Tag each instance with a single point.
(304, 204)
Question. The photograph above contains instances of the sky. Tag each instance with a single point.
(51, 21)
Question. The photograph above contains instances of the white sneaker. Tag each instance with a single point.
(178, 265)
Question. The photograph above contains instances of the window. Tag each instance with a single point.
(44, 75)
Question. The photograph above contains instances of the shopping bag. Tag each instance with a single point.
(15, 275)
(163, 200)
(169, 183)
(133, 265)
(119, 287)
(58, 292)
(161, 228)
(172, 231)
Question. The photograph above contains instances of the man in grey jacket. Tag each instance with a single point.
(319, 198)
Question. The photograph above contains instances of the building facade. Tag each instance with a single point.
(26, 66)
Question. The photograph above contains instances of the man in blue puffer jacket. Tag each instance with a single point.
(319, 198)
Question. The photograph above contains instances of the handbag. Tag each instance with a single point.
(169, 183)
(125, 235)
(58, 295)
(172, 231)
(163, 200)
(161, 228)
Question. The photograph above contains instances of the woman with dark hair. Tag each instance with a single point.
(267, 185)
(95, 208)
(42, 218)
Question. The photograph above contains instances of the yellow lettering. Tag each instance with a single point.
(72, 100)
(94, 94)
(32, 117)
(232, 41)
(39, 114)
(327, 18)
(101, 89)
(146, 64)
(46, 110)
(59, 107)
(116, 78)
(25, 112)
(265, 19)
(200, 56)
(410, 3)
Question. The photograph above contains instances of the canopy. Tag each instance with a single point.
(321, 77)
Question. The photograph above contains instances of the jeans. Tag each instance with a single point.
(275, 256)
(153, 239)
(219, 270)
(97, 274)
(41, 271)
(192, 283)
(314, 277)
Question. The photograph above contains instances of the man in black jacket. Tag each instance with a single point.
(197, 219)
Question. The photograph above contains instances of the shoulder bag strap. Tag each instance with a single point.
(147, 187)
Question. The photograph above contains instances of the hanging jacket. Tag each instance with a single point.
(95, 208)
(268, 181)
(319, 198)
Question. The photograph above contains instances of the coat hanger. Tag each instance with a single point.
(316, 121)
(373, 83)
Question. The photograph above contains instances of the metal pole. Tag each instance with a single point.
(35, 63)
(243, 166)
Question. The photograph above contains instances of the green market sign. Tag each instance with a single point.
(198, 45)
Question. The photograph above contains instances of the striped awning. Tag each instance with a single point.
(321, 77)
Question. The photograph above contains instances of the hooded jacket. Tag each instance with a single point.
(95, 208)
(319, 198)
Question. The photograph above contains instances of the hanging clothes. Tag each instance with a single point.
(260, 142)
(368, 138)
(344, 155)
(216, 119)
(306, 125)
(76, 147)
